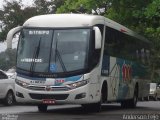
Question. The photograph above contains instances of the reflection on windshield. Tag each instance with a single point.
(53, 51)
(72, 49)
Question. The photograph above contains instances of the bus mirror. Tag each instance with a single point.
(10, 36)
(98, 38)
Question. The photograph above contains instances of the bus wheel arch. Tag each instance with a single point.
(96, 107)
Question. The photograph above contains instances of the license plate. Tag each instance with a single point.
(48, 101)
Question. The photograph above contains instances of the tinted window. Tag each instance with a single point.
(69, 50)
(3, 76)
(121, 45)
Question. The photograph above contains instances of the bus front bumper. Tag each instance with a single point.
(80, 95)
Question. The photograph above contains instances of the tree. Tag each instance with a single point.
(84, 6)
(47, 7)
(152, 15)
(14, 13)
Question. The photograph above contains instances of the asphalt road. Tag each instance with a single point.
(144, 111)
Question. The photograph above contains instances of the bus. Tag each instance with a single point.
(79, 59)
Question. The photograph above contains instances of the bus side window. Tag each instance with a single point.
(120, 45)
(112, 42)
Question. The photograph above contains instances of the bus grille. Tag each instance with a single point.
(43, 88)
(48, 96)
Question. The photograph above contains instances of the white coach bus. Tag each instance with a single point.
(79, 59)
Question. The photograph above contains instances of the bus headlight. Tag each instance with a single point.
(21, 83)
(77, 84)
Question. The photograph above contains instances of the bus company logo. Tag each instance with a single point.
(48, 88)
(126, 72)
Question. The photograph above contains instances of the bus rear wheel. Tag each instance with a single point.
(42, 108)
(155, 97)
(131, 103)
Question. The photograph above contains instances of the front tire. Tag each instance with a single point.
(42, 108)
(9, 99)
(93, 107)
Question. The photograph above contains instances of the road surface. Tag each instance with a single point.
(144, 111)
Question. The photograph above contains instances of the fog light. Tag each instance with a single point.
(18, 94)
(80, 96)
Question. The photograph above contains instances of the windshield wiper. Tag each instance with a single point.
(35, 56)
(61, 61)
(59, 57)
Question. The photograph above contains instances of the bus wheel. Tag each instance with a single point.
(42, 108)
(92, 107)
(132, 102)
(155, 98)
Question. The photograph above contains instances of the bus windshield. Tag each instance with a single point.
(53, 51)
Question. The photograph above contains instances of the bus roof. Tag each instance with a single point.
(64, 20)
(77, 20)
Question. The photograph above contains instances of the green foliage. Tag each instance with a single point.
(13, 15)
(47, 7)
(152, 14)
(153, 10)
(83, 6)
(152, 31)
